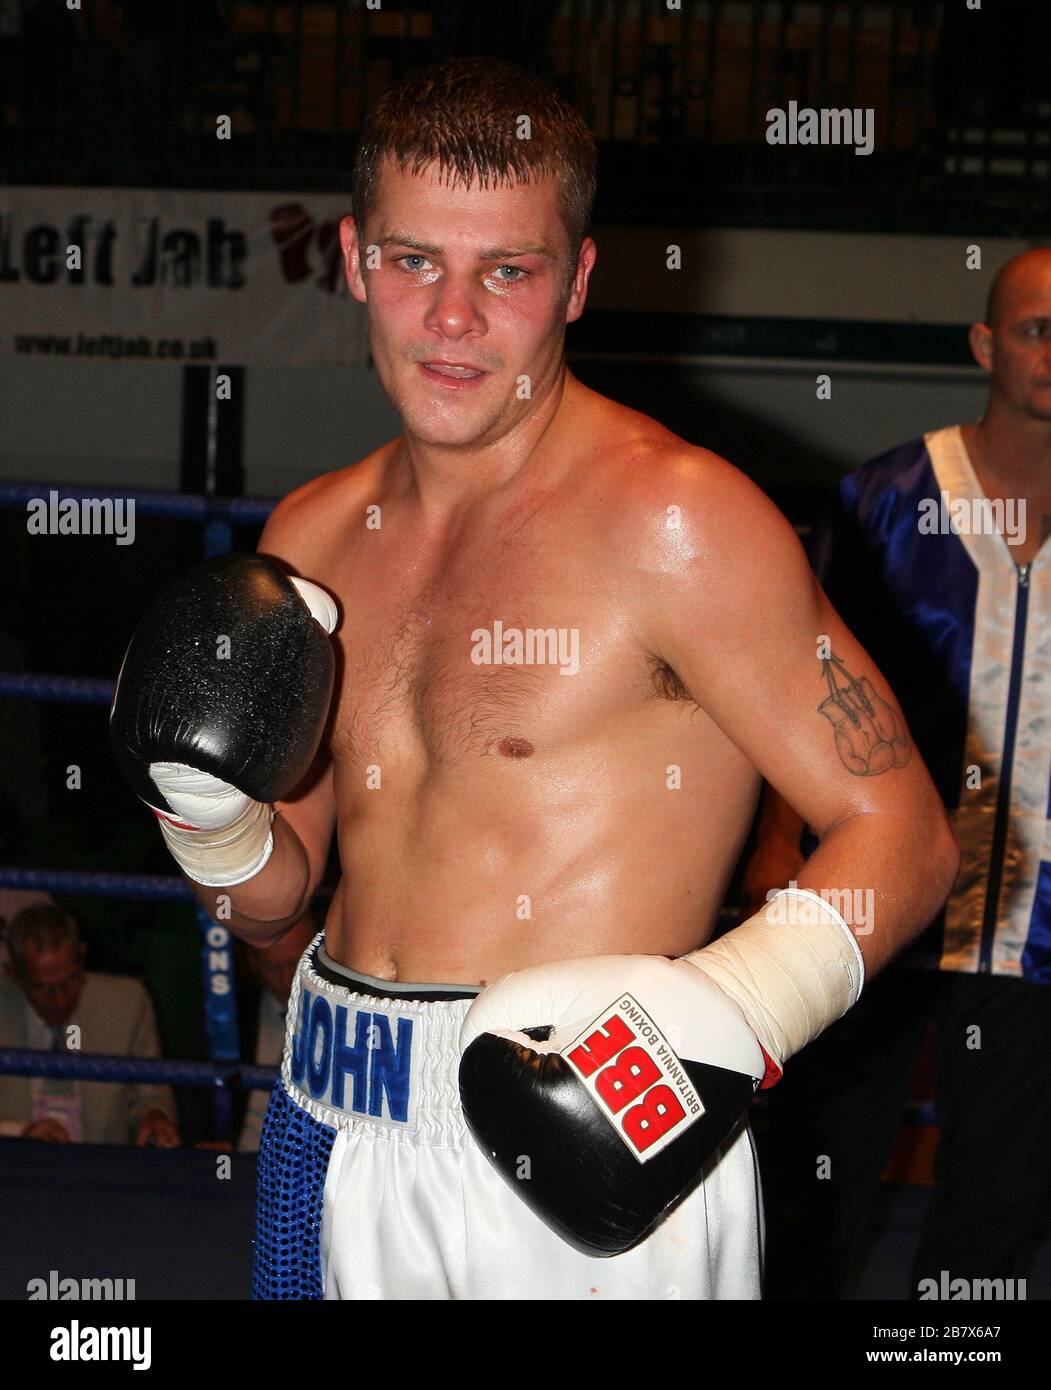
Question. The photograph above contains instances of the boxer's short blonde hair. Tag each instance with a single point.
(465, 116)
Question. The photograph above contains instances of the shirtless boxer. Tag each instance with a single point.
(495, 812)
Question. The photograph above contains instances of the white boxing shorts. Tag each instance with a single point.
(371, 1185)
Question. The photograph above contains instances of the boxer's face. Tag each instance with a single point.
(1020, 357)
(470, 299)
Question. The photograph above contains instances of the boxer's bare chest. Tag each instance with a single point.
(502, 643)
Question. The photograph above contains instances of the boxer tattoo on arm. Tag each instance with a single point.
(869, 737)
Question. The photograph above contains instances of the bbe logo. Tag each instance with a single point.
(633, 1075)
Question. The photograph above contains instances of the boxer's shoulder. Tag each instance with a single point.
(339, 489)
(672, 495)
(309, 520)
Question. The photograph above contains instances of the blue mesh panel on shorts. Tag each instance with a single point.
(294, 1151)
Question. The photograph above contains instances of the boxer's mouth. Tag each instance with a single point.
(461, 371)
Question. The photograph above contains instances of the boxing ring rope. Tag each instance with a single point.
(64, 690)
(83, 1066)
(145, 1071)
(151, 887)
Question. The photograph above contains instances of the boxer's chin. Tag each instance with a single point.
(453, 428)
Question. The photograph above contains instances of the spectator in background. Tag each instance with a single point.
(49, 993)
(274, 967)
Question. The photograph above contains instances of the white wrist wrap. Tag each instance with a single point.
(230, 854)
(792, 969)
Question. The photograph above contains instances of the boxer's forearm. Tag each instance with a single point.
(887, 875)
(262, 909)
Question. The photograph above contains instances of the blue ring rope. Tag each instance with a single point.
(153, 887)
(147, 1071)
(68, 690)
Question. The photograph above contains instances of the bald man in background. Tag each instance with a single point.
(936, 555)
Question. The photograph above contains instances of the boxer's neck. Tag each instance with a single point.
(447, 480)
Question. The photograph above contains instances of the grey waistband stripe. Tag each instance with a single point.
(371, 984)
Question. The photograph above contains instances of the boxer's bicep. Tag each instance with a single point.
(835, 739)
(756, 642)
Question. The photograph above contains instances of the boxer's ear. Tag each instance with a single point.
(351, 248)
(578, 284)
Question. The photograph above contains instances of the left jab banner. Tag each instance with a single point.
(172, 275)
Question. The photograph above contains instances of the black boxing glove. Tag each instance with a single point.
(220, 706)
(618, 1077)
